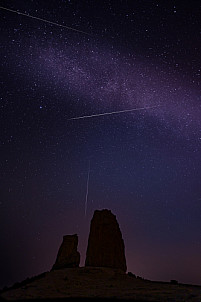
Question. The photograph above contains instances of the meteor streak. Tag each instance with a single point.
(87, 191)
(43, 20)
(110, 113)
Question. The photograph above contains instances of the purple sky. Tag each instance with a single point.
(145, 165)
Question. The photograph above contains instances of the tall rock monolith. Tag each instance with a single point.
(105, 244)
(68, 256)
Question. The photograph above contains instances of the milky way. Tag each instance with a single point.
(110, 80)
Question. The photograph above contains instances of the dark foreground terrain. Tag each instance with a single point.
(81, 300)
(98, 284)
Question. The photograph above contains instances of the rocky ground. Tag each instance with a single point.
(97, 283)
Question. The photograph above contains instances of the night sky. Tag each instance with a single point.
(144, 165)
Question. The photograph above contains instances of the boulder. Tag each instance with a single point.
(68, 256)
(105, 243)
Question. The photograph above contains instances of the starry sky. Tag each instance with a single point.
(144, 165)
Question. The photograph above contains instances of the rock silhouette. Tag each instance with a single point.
(68, 256)
(105, 243)
(104, 280)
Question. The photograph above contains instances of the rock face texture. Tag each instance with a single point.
(105, 243)
(68, 256)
